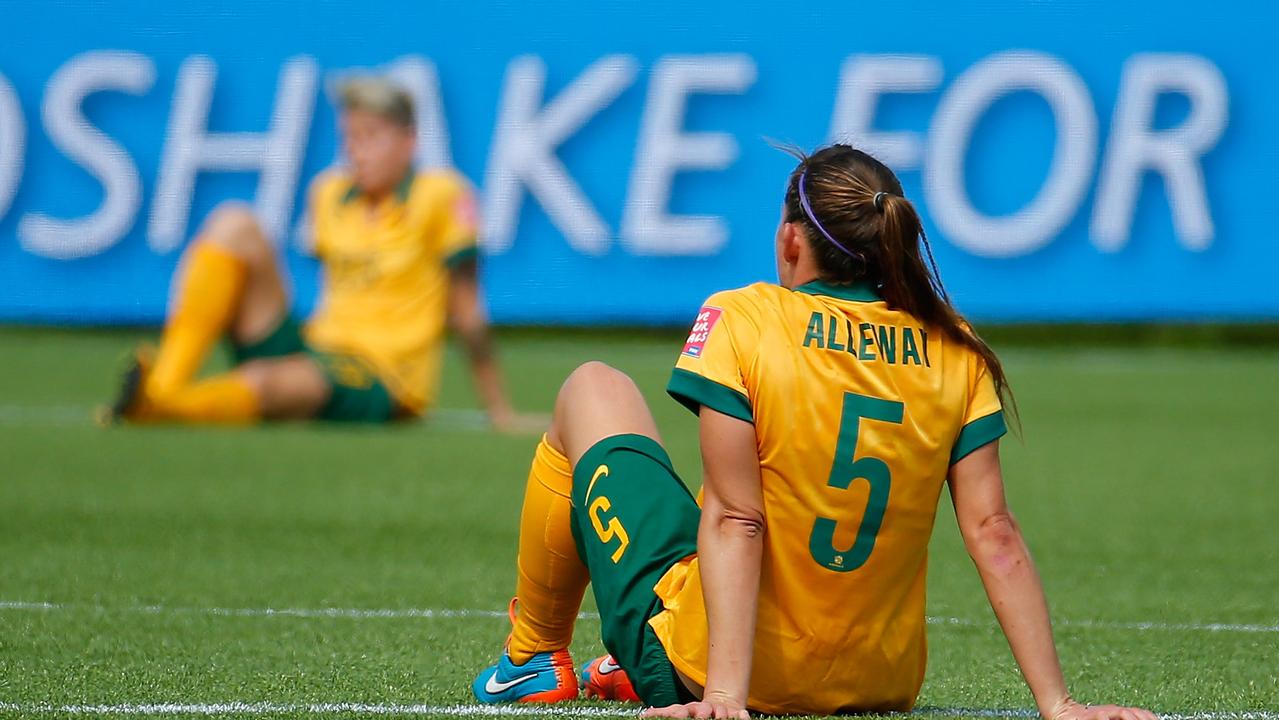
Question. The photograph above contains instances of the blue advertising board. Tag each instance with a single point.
(1076, 160)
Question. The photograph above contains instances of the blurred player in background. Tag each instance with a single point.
(833, 408)
(398, 248)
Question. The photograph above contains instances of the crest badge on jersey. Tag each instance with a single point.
(702, 326)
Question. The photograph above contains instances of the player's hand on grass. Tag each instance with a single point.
(515, 423)
(708, 707)
(1071, 710)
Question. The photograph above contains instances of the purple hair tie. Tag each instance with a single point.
(808, 210)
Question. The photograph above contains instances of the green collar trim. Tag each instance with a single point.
(401, 190)
(856, 292)
(351, 194)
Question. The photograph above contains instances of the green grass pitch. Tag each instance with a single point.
(136, 565)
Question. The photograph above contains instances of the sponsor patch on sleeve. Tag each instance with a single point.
(465, 212)
(706, 319)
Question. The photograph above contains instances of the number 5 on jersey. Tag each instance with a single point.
(847, 468)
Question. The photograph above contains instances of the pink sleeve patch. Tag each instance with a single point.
(464, 210)
(706, 319)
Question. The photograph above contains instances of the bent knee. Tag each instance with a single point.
(257, 374)
(596, 374)
(597, 401)
(289, 387)
(234, 227)
(598, 381)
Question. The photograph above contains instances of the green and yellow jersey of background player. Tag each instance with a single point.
(386, 275)
(859, 412)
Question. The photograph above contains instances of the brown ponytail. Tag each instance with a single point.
(862, 228)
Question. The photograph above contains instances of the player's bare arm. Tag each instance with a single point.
(469, 322)
(995, 543)
(730, 545)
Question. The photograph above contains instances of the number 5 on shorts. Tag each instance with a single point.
(845, 469)
(612, 530)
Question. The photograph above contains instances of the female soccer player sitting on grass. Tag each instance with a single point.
(832, 407)
(398, 251)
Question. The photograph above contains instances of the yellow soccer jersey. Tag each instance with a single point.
(385, 290)
(858, 411)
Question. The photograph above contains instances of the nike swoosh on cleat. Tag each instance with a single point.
(607, 666)
(493, 687)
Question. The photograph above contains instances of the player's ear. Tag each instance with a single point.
(792, 244)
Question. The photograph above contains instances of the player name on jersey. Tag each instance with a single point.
(891, 344)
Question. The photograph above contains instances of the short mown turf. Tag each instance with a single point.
(137, 565)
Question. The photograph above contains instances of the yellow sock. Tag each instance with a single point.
(224, 398)
(211, 288)
(552, 578)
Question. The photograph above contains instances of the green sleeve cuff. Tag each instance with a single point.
(468, 253)
(982, 431)
(693, 391)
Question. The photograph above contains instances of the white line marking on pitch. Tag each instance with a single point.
(262, 708)
(431, 613)
(353, 613)
(1122, 625)
(44, 415)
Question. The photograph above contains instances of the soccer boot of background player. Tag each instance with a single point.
(602, 679)
(130, 403)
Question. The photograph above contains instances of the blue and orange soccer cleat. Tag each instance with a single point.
(602, 679)
(547, 677)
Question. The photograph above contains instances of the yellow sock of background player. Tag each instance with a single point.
(224, 398)
(211, 287)
(552, 578)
